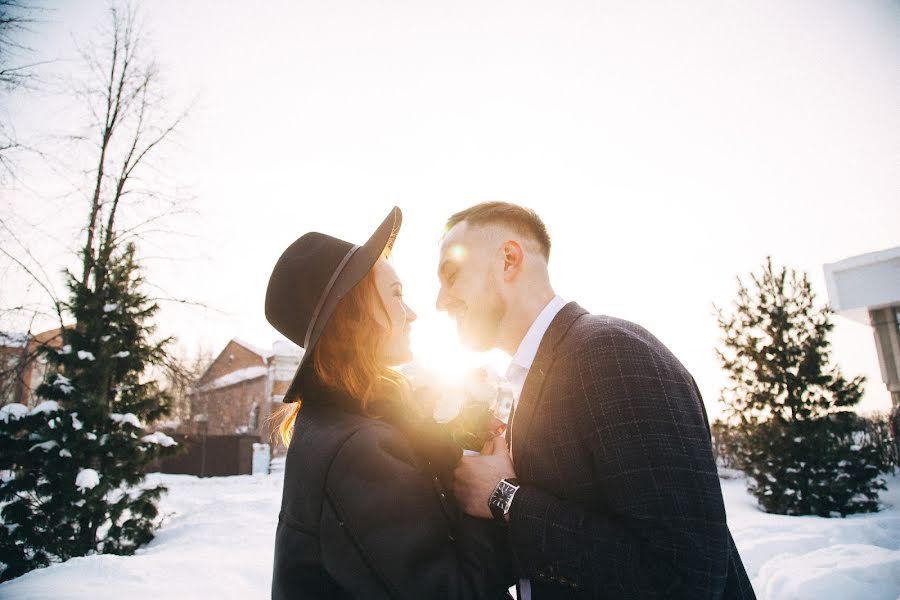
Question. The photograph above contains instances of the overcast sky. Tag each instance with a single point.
(668, 146)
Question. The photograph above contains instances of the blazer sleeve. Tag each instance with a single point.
(388, 527)
(658, 528)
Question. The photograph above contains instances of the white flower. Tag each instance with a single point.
(83, 355)
(87, 479)
(14, 411)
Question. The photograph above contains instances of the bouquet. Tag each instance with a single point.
(472, 411)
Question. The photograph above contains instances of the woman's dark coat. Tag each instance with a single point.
(366, 511)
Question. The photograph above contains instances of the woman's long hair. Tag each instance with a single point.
(348, 355)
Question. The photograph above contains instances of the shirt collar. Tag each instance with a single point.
(528, 347)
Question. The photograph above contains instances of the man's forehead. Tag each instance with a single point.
(454, 245)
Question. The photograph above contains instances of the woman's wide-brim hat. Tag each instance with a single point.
(312, 276)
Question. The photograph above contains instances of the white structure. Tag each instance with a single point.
(866, 289)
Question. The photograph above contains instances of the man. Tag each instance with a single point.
(611, 489)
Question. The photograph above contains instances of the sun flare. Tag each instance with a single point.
(437, 350)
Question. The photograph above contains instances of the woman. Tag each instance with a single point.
(365, 510)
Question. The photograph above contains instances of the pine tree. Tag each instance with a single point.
(802, 450)
(73, 467)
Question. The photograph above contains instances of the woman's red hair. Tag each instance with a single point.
(348, 355)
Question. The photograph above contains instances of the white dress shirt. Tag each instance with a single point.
(518, 372)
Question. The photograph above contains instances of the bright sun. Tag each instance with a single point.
(436, 347)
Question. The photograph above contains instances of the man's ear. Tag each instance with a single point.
(513, 257)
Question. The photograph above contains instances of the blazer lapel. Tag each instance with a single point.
(517, 432)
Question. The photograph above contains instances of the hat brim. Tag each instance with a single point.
(359, 264)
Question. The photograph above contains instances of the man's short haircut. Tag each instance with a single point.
(523, 221)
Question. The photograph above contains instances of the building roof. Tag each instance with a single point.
(258, 351)
(860, 283)
(235, 377)
(51, 337)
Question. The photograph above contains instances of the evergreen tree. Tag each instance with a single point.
(802, 450)
(73, 467)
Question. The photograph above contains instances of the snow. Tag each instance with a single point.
(67, 349)
(45, 446)
(108, 308)
(46, 407)
(159, 438)
(85, 355)
(800, 558)
(122, 354)
(14, 411)
(13, 340)
(130, 418)
(217, 535)
(236, 377)
(64, 384)
(65, 453)
(254, 349)
(87, 479)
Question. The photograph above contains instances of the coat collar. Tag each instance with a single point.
(534, 383)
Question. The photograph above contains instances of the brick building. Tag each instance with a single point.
(22, 368)
(241, 387)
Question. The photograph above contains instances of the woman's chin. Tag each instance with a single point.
(399, 358)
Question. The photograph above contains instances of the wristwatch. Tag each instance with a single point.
(502, 497)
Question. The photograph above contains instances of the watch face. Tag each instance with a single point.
(502, 497)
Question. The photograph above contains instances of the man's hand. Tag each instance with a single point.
(476, 477)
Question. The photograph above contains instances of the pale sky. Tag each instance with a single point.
(668, 146)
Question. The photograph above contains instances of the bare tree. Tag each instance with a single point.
(16, 19)
(130, 124)
(181, 373)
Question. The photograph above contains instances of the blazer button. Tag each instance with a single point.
(340, 523)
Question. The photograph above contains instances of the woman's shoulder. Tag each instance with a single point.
(330, 428)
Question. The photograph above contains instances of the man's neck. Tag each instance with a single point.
(520, 317)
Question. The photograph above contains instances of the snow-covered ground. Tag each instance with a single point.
(216, 542)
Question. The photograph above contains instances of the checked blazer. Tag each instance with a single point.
(619, 493)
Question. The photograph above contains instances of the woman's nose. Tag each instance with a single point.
(410, 314)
